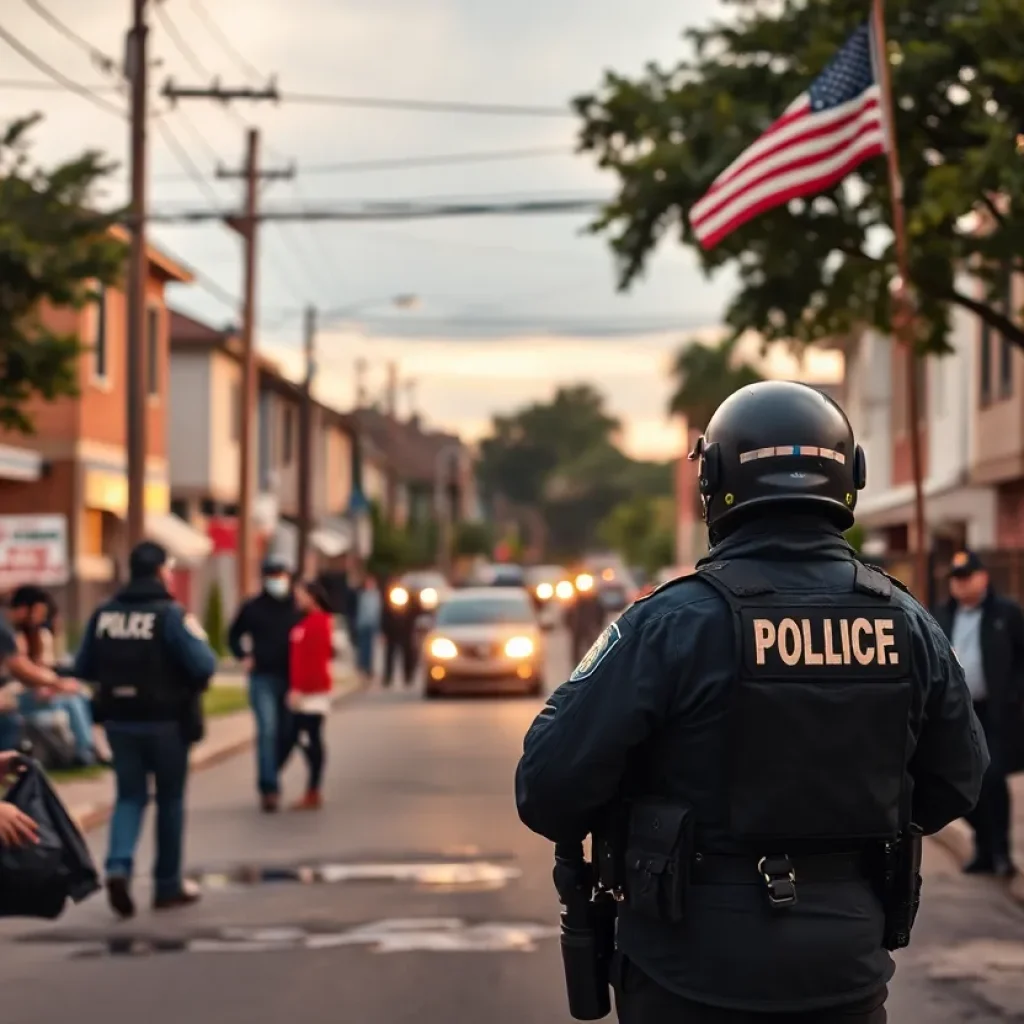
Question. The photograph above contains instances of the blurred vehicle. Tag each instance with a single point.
(485, 639)
(616, 589)
(550, 589)
(415, 596)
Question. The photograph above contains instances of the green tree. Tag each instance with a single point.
(822, 268)
(641, 530)
(472, 539)
(54, 247)
(213, 619)
(706, 376)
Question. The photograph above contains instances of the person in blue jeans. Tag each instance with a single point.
(369, 613)
(151, 663)
(259, 638)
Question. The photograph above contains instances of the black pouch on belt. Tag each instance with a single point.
(657, 861)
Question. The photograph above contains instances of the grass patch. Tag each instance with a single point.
(225, 700)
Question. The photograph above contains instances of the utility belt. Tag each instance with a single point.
(647, 859)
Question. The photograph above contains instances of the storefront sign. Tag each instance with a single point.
(33, 549)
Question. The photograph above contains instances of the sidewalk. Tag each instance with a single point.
(958, 837)
(90, 801)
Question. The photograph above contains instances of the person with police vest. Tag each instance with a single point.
(761, 745)
(150, 662)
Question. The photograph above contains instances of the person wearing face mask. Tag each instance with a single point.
(259, 638)
(986, 630)
(151, 662)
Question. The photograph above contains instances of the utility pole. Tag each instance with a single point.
(306, 443)
(136, 375)
(246, 226)
(394, 439)
(361, 368)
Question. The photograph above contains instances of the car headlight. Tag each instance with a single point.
(545, 591)
(428, 597)
(565, 590)
(519, 647)
(584, 582)
(399, 597)
(441, 647)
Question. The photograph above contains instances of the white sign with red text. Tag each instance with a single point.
(33, 549)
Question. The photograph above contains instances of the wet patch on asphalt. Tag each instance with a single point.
(456, 873)
(392, 935)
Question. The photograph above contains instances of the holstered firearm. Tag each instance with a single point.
(901, 892)
(588, 933)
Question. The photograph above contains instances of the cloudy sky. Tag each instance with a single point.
(507, 307)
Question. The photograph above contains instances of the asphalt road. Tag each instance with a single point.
(424, 900)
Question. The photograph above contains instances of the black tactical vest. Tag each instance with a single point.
(137, 682)
(819, 722)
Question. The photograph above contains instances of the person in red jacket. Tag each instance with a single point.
(310, 683)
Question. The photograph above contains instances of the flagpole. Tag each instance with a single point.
(903, 318)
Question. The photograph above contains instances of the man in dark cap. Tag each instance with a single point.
(151, 662)
(259, 638)
(986, 630)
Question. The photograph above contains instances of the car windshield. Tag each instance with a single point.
(466, 612)
(545, 573)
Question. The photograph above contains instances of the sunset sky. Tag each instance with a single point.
(507, 307)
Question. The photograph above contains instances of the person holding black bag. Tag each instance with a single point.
(151, 662)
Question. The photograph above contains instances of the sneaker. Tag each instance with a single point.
(312, 801)
(186, 896)
(119, 896)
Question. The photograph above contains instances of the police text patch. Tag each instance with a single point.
(810, 642)
(600, 650)
(126, 625)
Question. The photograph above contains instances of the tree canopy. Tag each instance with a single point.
(560, 458)
(824, 267)
(706, 375)
(54, 249)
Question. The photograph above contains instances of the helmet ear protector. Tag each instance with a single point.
(860, 469)
(710, 459)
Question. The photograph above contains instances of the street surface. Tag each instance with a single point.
(415, 897)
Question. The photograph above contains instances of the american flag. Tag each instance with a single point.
(826, 132)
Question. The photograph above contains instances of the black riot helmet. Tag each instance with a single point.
(782, 444)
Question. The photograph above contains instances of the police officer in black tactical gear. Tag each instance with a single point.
(151, 662)
(756, 749)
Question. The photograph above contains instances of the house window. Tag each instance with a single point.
(236, 411)
(99, 341)
(1005, 368)
(288, 436)
(985, 368)
(153, 349)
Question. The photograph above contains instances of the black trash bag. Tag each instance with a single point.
(37, 880)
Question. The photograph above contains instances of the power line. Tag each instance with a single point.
(85, 91)
(184, 158)
(100, 59)
(424, 106)
(178, 40)
(225, 44)
(367, 102)
(410, 162)
(397, 211)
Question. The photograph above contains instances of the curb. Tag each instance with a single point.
(96, 814)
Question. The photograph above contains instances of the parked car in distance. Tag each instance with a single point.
(551, 590)
(485, 640)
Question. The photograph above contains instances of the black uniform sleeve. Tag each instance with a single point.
(951, 755)
(575, 753)
(1015, 622)
(239, 627)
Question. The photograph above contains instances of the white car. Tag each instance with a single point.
(485, 639)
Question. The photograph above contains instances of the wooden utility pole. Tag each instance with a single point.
(246, 226)
(306, 443)
(904, 320)
(136, 370)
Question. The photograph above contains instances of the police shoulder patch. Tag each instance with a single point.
(599, 650)
(193, 626)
